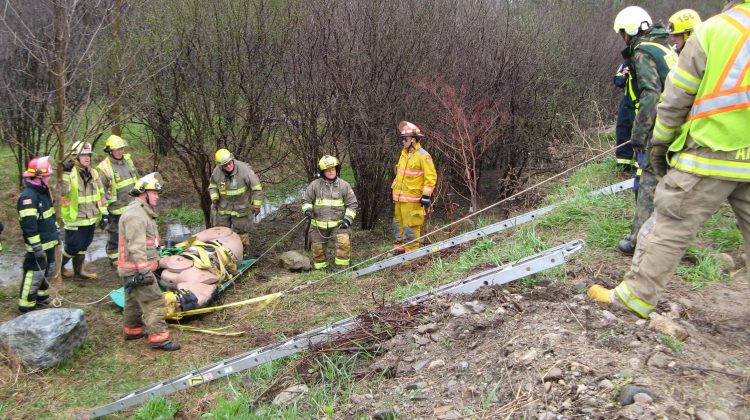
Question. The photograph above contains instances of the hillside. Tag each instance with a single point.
(536, 348)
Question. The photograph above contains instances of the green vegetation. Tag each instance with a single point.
(671, 342)
(722, 232)
(707, 267)
(188, 216)
(157, 409)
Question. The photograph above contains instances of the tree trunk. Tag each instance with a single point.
(61, 41)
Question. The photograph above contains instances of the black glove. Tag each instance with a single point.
(40, 257)
(68, 165)
(104, 221)
(140, 280)
(658, 159)
(309, 213)
(345, 224)
(425, 200)
(637, 146)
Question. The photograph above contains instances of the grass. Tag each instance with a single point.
(185, 215)
(722, 232)
(706, 268)
(671, 342)
(157, 409)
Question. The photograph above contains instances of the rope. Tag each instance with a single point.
(538, 184)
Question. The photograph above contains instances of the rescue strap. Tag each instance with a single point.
(262, 302)
(212, 331)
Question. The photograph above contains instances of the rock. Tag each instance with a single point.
(675, 311)
(420, 364)
(581, 388)
(446, 412)
(642, 398)
(463, 365)
(385, 415)
(628, 391)
(658, 360)
(609, 316)
(435, 364)
(422, 340)
(703, 415)
(290, 394)
(547, 415)
(295, 262)
(566, 405)
(427, 328)
(552, 339)
(554, 374)
(45, 338)
(727, 262)
(640, 322)
(547, 386)
(361, 399)
(418, 385)
(529, 357)
(665, 325)
(475, 307)
(457, 310)
(501, 311)
(606, 384)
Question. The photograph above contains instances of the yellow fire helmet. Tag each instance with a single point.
(631, 20)
(683, 21)
(114, 142)
(223, 156)
(150, 182)
(327, 162)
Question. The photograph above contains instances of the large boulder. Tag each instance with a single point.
(45, 338)
(295, 262)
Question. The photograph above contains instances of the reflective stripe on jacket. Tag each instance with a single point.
(82, 201)
(415, 175)
(330, 201)
(36, 216)
(117, 177)
(236, 190)
(706, 105)
(138, 250)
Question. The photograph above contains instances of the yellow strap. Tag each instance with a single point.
(212, 331)
(263, 301)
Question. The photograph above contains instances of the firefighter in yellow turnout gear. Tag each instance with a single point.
(412, 188)
(701, 132)
(118, 175)
(83, 206)
(331, 206)
(138, 257)
(236, 194)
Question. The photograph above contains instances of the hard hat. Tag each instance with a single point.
(407, 129)
(327, 162)
(148, 182)
(114, 142)
(631, 20)
(80, 148)
(223, 156)
(683, 21)
(38, 166)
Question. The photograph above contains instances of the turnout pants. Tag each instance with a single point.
(144, 306)
(78, 239)
(239, 225)
(113, 237)
(683, 203)
(407, 221)
(319, 238)
(35, 284)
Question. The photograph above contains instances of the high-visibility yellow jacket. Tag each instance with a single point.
(415, 175)
(235, 190)
(82, 198)
(706, 104)
(118, 177)
(139, 240)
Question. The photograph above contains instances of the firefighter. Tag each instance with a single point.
(701, 132)
(236, 194)
(118, 174)
(625, 116)
(680, 27)
(39, 229)
(331, 206)
(83, 206)
(412, 188)
(651, 57)
(138, 257)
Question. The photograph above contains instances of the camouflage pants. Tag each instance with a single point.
(319, 240)
(144, 305)
(683, 203)
(644, 205)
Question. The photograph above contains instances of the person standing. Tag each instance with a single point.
(143, 314)
(83, 206)
(39, 229)
(118, 174)
(412, 189)
(651, 57)
(701, 132)
(236, 194)
(681, 26)
(625, 116)
(330, 204)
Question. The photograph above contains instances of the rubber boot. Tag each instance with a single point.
(133, 333)
(600, 293)
(626, 246)
(80, 268)
(166, 345)
(65, 272)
